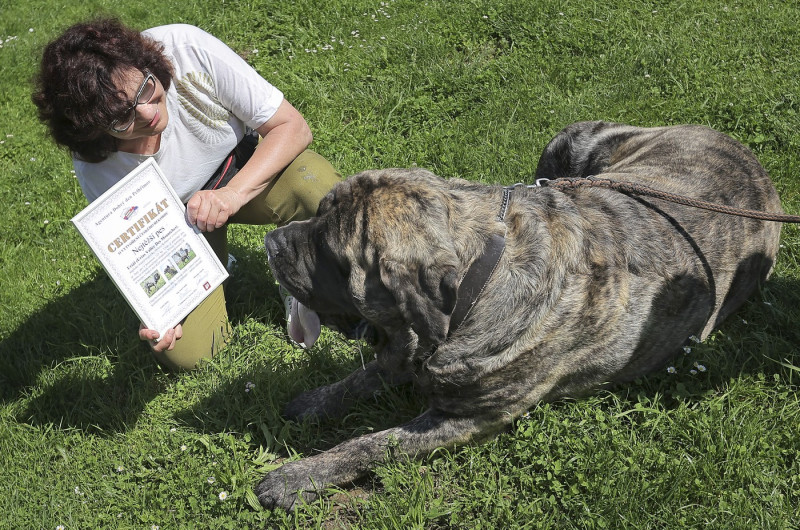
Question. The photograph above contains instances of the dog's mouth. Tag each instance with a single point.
(355, 329)
(303, 323)
(305, 326)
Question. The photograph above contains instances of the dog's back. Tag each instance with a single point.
(692, 161)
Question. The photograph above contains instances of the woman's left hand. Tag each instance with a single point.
(211, 209)
(161, 344)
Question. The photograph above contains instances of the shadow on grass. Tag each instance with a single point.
(78, 363)
(91, 319)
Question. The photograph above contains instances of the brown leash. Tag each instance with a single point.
(638, 189)
(477, 276)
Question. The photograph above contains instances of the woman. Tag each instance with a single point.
(116, 97)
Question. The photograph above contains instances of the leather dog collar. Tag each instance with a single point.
(477, 276)
(475, 280)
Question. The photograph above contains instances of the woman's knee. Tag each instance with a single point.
(301, 186)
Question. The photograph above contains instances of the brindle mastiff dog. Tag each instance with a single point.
(586, 287)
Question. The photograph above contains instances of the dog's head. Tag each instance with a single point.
(380, 249)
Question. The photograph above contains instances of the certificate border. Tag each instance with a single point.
(135, 296)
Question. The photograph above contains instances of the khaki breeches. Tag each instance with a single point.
(293, 195)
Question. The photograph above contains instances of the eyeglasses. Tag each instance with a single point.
(143, 95)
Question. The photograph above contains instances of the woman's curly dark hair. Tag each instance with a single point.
(75, 91)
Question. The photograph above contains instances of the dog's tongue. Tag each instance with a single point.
(304, 327)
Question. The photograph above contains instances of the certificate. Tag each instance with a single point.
(161, 264)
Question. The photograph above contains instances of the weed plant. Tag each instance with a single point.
(93, 434)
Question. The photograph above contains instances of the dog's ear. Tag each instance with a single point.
(425, 296)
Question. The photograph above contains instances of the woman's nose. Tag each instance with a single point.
(146, 111)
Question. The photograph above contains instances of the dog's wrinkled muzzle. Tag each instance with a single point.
(302, 324)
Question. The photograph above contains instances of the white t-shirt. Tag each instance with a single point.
(214, 98)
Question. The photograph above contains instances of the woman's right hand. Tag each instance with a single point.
(162, 344)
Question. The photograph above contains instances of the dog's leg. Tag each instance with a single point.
(306, 478)
(334, 400)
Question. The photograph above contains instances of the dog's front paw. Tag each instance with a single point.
(320, 403)
(286, 486)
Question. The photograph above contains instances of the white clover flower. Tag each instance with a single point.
(154, 527)
(693, 372)
(700, 367)
(173, 429)
(694, 339)
(60, 527)
(211, 480)
(77, 490)
(687, 350)
(223, 495)
(183, 447)
(672, 370)
(120, 469)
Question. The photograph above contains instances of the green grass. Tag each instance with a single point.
(94, 435)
